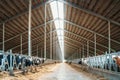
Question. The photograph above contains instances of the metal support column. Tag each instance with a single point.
(21, 43)
(95, 58)
(51, 41)
(3, 37)
(41, 53)
(45, 35)
(83, 52)
(87, 48)
(29, 29)
(55, 49)
(109, 44)
(11, 62)
(95, 44)
(71, 57)
(37, 50)
(109, 38)
(78, 53)
(88, 51)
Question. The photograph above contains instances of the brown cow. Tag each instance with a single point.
(117, 59)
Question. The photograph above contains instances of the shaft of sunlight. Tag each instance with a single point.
(57, 12)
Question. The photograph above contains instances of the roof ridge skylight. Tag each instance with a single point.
(57, 12)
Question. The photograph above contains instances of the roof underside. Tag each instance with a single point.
(83, 19)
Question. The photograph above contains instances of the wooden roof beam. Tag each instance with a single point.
(89, 30)
(87, 39)
(71, 47)
(81, 43)
(77, 45)
(64, 21)
(48, 47)
(39, 43)
(26, 11)
(41, 25)
(41, 36)
(78, 36)
(89, 11)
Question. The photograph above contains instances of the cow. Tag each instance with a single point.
(10, 59)
(2, 61)
(80, 62)
(37, 61)
(29, 61)
(23, 62)
(1, 57)
(117, 59)
(18, 61)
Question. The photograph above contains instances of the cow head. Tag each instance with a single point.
(115, 58)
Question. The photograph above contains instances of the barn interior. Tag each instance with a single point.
(65, 33)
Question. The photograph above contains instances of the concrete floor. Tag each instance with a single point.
(65, 72)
